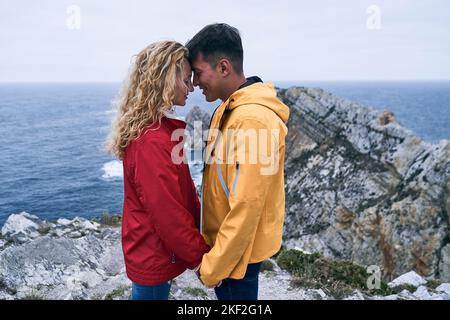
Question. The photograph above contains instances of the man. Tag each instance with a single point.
(243, 181)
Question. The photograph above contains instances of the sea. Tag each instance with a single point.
(53, 163)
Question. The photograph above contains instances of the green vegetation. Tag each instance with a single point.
(111, 220)
(433, 284)
(339, 278)
(119, 292)
(33, 295)
(196, 292)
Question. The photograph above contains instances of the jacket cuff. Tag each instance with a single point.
(207, 280)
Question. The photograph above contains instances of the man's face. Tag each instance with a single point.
(207, 78)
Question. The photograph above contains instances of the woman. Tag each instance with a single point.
(160, 236)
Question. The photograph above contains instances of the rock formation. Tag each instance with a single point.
(360, 187)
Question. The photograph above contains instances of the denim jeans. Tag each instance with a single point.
(242, 289)
(156, 292)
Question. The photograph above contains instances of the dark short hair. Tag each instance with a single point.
(217, 41)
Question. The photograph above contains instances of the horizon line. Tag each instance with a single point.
(307, 80)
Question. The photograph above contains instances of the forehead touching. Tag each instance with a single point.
(200, 64)
(186, 68)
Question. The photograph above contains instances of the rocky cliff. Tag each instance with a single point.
(360, 187)
(197, 121)
(82, 259)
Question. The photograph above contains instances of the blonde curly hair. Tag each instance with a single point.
(147, 93)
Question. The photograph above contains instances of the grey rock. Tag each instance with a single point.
(64, 221)
(422, 293)
(20, 228)
(92, 267)
(410, 278)
(197, 122)
(356, 295)
(361, 187)
(444, 265)
(64, 268)
(444, 287)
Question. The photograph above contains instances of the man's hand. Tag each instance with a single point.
(197, 273)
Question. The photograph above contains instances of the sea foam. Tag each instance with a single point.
(112, 170)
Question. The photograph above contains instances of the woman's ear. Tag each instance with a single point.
(225, 67)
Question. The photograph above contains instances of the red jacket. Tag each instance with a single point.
(161, 211)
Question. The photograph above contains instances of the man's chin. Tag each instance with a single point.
(210, 99)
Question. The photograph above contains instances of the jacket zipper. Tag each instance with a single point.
(236, 178)
(222, 180)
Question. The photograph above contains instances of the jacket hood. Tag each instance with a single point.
(263, 94)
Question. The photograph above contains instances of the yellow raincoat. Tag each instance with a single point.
(243, 196)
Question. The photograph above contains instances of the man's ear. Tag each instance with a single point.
(225, 67)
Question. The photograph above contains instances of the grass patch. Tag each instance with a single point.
(400, 288)
(111, 220)
(119, 292)
(433, 284)
(33, 295)
(196, 292)
(339, 278)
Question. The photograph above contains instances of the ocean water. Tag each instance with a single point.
(52, 163)
(421, 106)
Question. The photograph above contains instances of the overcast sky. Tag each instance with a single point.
(44, 41)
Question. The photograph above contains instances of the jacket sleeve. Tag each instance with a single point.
(157, 181)
(246, 202)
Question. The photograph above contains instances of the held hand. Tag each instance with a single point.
(197, 273)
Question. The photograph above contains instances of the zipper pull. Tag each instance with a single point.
(173, 257)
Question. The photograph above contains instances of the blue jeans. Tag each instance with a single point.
(242, 289)
(156, 292)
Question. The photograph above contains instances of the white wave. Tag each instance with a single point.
(112, 169)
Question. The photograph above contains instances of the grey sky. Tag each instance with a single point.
(283, 40)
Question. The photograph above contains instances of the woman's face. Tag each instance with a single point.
(183, 85)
